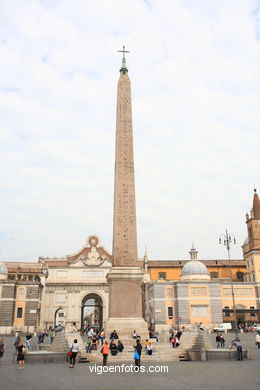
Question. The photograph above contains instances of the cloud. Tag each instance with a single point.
(195, 87)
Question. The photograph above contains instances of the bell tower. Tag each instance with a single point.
(251, 246)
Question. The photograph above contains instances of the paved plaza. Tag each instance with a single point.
(212, 375)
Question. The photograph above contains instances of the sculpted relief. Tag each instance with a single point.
(93, 258)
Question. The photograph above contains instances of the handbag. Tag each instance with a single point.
(136, 356)
(70, 351)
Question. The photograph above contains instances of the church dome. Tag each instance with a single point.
(194, 270)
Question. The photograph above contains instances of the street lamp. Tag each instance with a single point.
(227, 239)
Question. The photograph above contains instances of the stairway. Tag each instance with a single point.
(164, 351)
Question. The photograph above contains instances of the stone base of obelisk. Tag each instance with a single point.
(125, 327)
(125, 302)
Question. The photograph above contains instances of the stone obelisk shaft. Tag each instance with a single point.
(124, 235)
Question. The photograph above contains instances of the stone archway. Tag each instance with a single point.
(92, 311)
(60, 317)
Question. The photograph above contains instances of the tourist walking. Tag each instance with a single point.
(218, 340)
(257, 340)
(2, 348)
(20, 354)
(105, 352)
(16, 343)
(138, 347)
(236, 343)
(74, 349)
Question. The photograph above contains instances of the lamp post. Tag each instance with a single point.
(227, 239)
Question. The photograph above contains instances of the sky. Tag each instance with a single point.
(194, 68)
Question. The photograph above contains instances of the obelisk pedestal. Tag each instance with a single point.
(126, 276)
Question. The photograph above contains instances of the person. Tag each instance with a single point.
(153, 336)
(113, 348)
(171, 334)
(105, 352)
(90, 332)
(16, 343)
(102, 336)
(134, 334)
(52, 335)
(222, 341)
(40, 339)
(28, 339)
(176, 339)
(146, 344)
(138, 347)
(20, 354)
(2, 348)
(149, 349)
(236, 343)
(88, 346)
(257, 340)
(114, 335)
(201, 327)
(94, 343)
(120, 346)
(74, 349)
(136, 359)
(218, 340)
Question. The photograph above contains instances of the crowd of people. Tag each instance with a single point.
(96, 339)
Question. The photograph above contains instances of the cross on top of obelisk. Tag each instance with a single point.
(123, 67)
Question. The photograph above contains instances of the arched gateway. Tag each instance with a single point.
(92, 311)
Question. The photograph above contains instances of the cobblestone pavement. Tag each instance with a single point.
(212, 375)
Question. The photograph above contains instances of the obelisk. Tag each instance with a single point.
(126, 275)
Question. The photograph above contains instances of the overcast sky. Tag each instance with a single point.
(194, 67)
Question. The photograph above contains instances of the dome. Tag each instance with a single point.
(3, 269)
(194, 270)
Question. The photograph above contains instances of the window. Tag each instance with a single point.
(162, 275)
(214, 275)
(170, 312)
(227, 313)
(252, 313)
(30, 277)
(240, 276)
(21, 292)
(19, 313)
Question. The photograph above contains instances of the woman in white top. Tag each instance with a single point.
(74, 351)
(257, 340)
